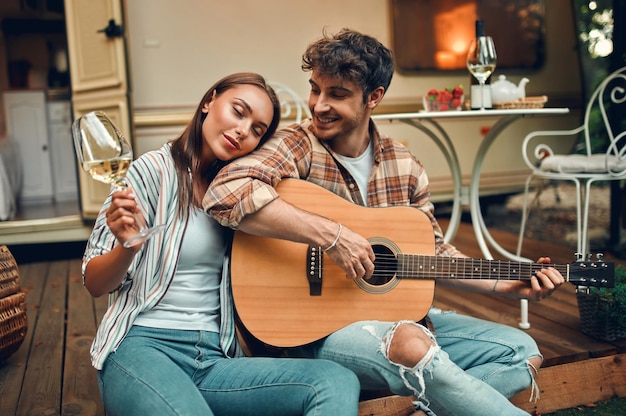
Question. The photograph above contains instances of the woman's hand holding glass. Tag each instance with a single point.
(124, 217)
(105, 154)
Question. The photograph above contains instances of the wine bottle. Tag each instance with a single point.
(474, 84)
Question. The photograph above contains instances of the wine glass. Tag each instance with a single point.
(481, 62)
(105, 154)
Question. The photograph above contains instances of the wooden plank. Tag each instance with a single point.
(561, 304)
(495, 308)
(13, 370)
(465, 241)
(570, 385)
(80, 385)
(388, 406)
(42, 381)
(561, 387)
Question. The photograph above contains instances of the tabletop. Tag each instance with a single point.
(471, 113)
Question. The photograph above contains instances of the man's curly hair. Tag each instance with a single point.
(352, 56)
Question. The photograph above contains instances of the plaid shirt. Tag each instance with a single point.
(247, 184)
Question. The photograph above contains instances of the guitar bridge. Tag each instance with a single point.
(315, 267)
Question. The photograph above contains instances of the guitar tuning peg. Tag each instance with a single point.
(579, 256)
(600, 256)
(588, 256)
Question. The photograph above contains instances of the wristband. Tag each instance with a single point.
(334, 243)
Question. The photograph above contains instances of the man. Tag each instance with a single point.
(470, 367)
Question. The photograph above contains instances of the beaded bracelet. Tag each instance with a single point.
(334, 243)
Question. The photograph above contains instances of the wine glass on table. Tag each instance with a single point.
(105, 154)
(481, 62)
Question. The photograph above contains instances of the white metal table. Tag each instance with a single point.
(427, 122)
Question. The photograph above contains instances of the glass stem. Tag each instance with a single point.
(122, 186)
(482, 93)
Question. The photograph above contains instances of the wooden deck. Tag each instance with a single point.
(51, 373)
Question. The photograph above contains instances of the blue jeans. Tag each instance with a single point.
(175, 372)
(475, 367)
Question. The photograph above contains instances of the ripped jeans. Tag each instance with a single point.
(473, 370)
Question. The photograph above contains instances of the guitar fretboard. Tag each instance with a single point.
(436, 267)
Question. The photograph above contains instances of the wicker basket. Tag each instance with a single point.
(528, 102)
(595, 321)
(9, 274)
(13, 319)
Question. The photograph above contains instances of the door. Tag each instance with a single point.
(26, 123)
(98, 75)
(62, 151)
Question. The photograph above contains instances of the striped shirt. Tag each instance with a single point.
(247, 184)
(153, 179)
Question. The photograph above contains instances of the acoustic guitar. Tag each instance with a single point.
(289, 294)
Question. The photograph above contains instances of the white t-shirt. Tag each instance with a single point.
(192, 300)
(360, 168)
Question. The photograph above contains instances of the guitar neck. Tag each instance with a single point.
(412, 266)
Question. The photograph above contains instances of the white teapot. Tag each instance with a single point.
(503, 91)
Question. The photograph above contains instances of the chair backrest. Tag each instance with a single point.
(292, 106)
(608, 102)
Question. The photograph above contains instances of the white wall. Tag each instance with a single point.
(179, 48)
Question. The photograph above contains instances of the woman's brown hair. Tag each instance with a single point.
(187, 148)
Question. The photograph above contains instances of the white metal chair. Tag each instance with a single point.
(608, 102)
(292, 106)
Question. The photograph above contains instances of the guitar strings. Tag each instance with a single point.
(454, 267)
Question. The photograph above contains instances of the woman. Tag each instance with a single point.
(166, 341)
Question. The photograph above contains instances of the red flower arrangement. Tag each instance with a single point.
(444, 100)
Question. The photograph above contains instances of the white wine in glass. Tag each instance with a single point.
(481, 62)
(105, 154)
(108, 171)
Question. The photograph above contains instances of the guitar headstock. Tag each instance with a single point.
(592, 273)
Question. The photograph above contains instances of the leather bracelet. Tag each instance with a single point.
(334, 243)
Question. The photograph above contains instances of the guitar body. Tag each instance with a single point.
(269, 276)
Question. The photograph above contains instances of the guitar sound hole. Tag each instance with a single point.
(385, 266)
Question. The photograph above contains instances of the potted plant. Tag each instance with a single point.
(603, 310)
